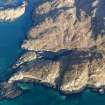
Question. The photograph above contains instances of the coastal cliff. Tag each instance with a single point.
(65, 47)
(68, 70)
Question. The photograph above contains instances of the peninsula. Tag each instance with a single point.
(64, 49)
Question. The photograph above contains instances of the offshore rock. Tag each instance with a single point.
(9, 91)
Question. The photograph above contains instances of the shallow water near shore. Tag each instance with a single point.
(38, 95)
(11, 37)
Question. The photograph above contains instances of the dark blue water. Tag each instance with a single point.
(11, 37)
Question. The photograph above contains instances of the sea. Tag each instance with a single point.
(12, 35)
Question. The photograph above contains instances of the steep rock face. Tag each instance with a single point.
(12, 13)
(75, 76)
(97, 73)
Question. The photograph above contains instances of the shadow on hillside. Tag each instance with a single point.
(73, 53)
(93, 8)
(66, 58)
(98, 19)
(52, 14)
(98, 22)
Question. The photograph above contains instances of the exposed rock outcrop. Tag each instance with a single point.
(76, 76)
(44, 71)
(10, 13)
(97, 73)
(26, 57)
(65, 47)
(71, 70)
(65, 25)
(9, 90)
(69, 24)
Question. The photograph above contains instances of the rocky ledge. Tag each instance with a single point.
(65, 47)
(10, 12)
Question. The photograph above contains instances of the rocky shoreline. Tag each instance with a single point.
(65, 47)
(12, 11)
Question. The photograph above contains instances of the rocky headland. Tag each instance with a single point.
(65, 47)
(12, 11)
